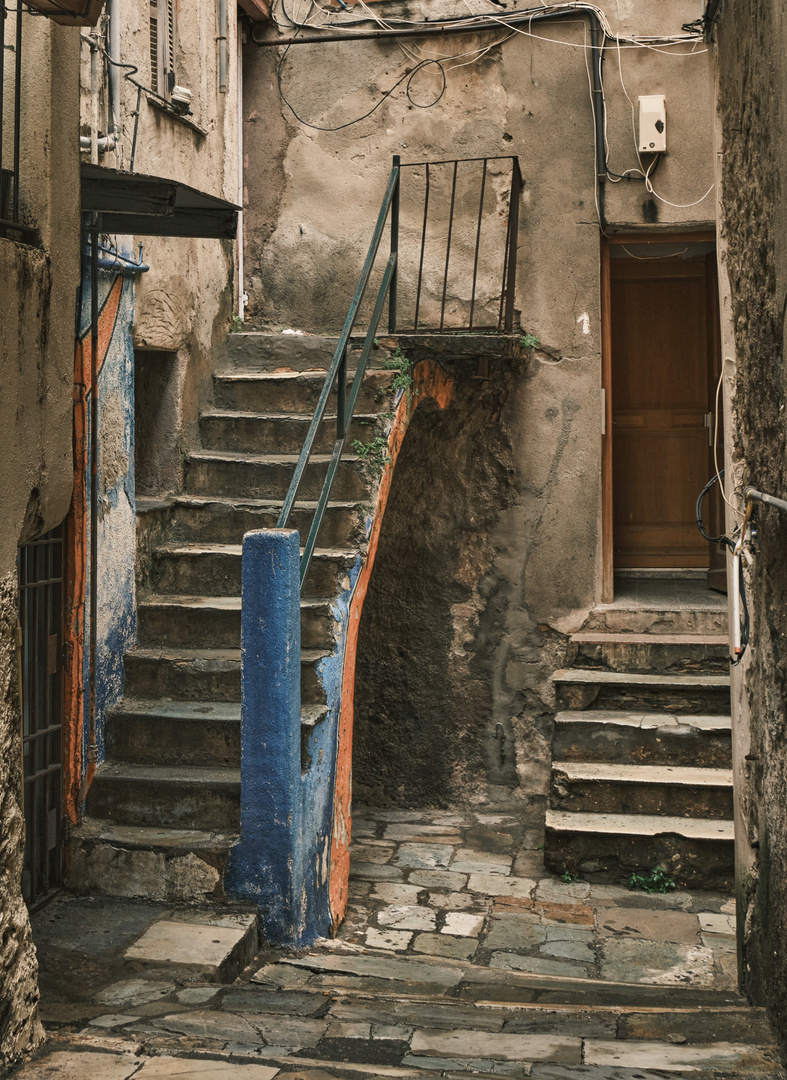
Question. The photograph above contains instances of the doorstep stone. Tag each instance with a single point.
(653, 925)
(662, 1055)
(219, 952)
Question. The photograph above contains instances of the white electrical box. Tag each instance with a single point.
(652, 124)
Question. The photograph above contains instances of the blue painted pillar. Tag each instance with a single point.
(267, 865)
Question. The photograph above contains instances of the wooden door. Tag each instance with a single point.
(660, 397)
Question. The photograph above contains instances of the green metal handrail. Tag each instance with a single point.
(338, 368)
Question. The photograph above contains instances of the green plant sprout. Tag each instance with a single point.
(657, 881)
(374, 454)
(529, 341)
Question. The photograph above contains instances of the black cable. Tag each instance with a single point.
(744, 623)
(408, 76)
(725, 541)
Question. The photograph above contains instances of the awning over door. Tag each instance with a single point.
(138, 205)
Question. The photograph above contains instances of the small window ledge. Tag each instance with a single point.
(162, 106)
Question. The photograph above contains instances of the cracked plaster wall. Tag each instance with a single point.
(751, 46)
(490, 551)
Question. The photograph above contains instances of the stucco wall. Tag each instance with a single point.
(525, 571)
(751, 60)
(184, 304)
(37, 354)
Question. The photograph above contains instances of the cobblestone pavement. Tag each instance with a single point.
(460, 957)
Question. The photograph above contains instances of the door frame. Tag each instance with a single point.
(695, 236)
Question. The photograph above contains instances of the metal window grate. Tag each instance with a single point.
(41, 617)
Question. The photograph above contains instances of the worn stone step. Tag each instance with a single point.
(658, 619)
(202, 733)
(208, 472)
(291, 391)
(639, 736)
(223, 519)
(202, 569)
(615, 788)
(607, 847)
(650, 653)
(262, 350)
(277, 433)
(579, 688)
(214, 621)
(166, 796)
(148, 861)
(204, 674)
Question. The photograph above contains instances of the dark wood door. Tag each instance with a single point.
(660, 349)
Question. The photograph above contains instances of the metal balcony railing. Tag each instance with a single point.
(506, 204)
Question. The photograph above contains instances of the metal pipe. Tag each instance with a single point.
(239, 68)
(477, 241)
(752, 495)
(17, 107)
(393, 295)
(93, 101)
(223, 46)
(92, 748)
(448, 244)
(114, 71)
(2, 98)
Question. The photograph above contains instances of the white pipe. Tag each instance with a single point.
(114, 72)
(106, 142)
(736, 604)
(241, 305)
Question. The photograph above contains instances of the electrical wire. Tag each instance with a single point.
(407, 78)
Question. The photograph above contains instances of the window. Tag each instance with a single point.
(162, 47)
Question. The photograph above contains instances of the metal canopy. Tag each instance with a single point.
(139, 205)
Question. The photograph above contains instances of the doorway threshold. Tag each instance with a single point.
(665, 590)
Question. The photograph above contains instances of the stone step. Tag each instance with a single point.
(202, 733)
(260, 350)
(277, 433)
(183, 865)
(166, 796)
(292, 391)
(638, 736)
(614, 788)
(204, 674)
(578, 688)
(208, 472)
(201, 569)
(607, 848)
(223, 519)
(214, 621)
(650, 653)
(658, 619)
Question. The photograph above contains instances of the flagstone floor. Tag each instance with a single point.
(460, 957)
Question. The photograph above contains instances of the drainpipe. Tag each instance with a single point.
(114, 72)
(93, 101)
(223, 46)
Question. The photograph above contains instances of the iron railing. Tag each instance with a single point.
(11, 125)
(42, 692)
(445, 186)
(389, 289)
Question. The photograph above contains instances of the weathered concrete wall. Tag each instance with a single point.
(490, 552)
(751, 59)
(20, 1029)
(36, 351)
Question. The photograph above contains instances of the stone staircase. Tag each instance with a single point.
(163, 809)
(641, 751)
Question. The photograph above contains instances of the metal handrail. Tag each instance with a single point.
(338, 368)
(337, 372)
